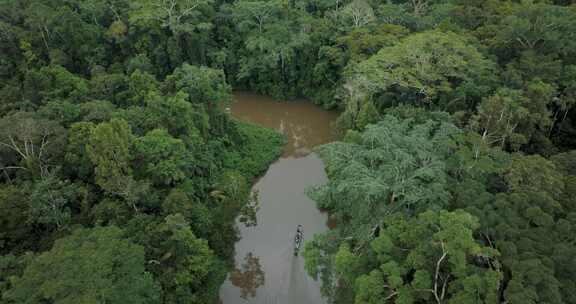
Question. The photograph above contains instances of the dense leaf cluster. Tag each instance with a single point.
(113, 136)
(121, 173)
(429, 213)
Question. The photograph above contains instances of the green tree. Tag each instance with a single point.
(15, 207)
(432, 258)
(516, 118)
(165, 159)
(534, 173)
(109, 150)
(34, 142)
(89, 266)
(257, 14)
(195, 212)
(183, 264)
(140, 86)
(528, 222)
(97, 111)
(364, 42)
(175, 114)
(77, 160)
(395, 166)
(12, 266)
(202, 84)
(433, 68)
(51, 201)
(529, 27)
(177, 15)
(54, 82)
(499, 116)
(358, 13)
(273, 39)
(61, 111)
(111, 87)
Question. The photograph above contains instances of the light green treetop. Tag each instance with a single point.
(90, 266)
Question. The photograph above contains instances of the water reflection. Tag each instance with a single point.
(248, 277)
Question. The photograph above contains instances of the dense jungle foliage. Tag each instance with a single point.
(122, 174)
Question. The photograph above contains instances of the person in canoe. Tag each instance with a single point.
(298, 240)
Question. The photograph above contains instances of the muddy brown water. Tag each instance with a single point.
(266, 270)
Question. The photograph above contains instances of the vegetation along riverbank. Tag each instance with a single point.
(453, 179)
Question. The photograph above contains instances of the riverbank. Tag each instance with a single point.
(261, 147)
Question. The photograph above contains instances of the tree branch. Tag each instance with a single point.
(437, 274)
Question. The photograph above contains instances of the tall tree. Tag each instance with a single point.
(499, 116)
(359, 13)
(110, 151)
(273, 38)
(164, 159)
(89, 266)
(528, 222)
(179, 16)
(393, 166)
(51, 201)
(441, 70)
(180, 262)
(432, 258)
(33, 142)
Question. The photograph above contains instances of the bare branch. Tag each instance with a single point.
(437, 274)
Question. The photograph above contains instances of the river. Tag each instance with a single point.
(266, 270)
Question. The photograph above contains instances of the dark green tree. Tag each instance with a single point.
(432, 258)
(89, 266)
(163, 159)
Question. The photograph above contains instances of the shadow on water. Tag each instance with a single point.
(266, 270)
